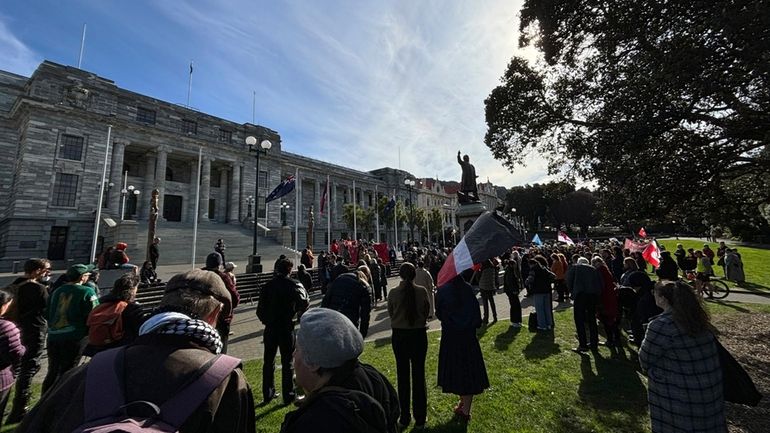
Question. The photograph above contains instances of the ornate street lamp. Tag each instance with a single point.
(254, 265)
(284, 209)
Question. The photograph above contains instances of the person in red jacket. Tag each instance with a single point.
(608, 312)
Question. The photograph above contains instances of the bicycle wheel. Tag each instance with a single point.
(718, 289)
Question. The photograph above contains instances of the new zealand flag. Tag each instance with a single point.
(390, 206)
(282, 189)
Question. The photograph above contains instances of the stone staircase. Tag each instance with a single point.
(176, 244)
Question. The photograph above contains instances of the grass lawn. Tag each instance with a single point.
(755, 262)
(538, 383)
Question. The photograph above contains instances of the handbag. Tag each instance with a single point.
(738, 386)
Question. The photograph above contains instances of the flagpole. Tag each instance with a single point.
(189, 89)
(355, 231)
(395, 221)
(197, 205)
(253, 107)
(101, 196)
(328, 217)
(82, 45)
(377, 213)
(298, 186)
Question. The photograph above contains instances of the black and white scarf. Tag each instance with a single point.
(173, 323)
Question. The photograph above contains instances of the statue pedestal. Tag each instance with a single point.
(466, 215)
(286, 236)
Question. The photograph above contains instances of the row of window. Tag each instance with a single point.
(148, 116)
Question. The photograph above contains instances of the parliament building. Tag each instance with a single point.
(53, 145)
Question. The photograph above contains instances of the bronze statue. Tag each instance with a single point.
(468, 192)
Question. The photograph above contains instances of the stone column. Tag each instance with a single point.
(203, 209)
(160, 176)
(116, 175)
(234, 216)
(222, 197)
(189, 207)
(149, 184)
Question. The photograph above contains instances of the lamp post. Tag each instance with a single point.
(127, 190)
(284, 209)
(409, 184)
(254, 265)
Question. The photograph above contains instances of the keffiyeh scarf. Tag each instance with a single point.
(173, 323)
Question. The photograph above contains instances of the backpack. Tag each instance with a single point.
(106, 410)
(105, 323)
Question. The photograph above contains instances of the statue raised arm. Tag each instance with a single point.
(468, 180)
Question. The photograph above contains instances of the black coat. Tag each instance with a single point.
(348, 295)
(280, 300)
(362, 395)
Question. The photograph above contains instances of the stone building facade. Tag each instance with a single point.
(53, 145)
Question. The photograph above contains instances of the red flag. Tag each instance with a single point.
(642, 233)
(652, 254)
(323, 197)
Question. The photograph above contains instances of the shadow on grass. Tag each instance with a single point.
(753, 287)
(453, 425)
(263, 410)
(503, 340)
(731, 305)
(614, 390)
(541, 346)
(381, 341)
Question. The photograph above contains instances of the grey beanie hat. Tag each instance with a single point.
(328, 339)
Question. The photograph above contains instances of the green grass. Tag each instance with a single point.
(755, 263)
(537, 383)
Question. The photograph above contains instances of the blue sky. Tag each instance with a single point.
(341, 81)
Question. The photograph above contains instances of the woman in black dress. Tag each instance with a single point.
(461, 368)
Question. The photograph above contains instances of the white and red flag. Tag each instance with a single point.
(562, 237)
(490, 236)
(642, 233)
(652, 254)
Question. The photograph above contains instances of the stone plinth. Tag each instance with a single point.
(285, 237)
(467, 214)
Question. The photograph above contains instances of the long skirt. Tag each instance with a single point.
(461, 368)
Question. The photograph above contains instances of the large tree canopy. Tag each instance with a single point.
(665, 104)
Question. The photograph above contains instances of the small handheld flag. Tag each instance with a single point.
(652, 254)
(536, 240)
(562, 237)
(285, 187)
(642, 233)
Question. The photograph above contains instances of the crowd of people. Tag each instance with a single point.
(186, 336)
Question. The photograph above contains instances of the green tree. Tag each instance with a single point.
(664, 104)
(436, 221)
(364, 220)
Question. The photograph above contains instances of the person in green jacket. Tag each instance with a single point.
(68, 308)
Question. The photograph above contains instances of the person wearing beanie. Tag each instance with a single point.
(214, 263)
(280, 301)
(328, 369)
(173, 347)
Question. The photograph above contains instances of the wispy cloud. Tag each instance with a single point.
(345, 82)
(16, 56)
